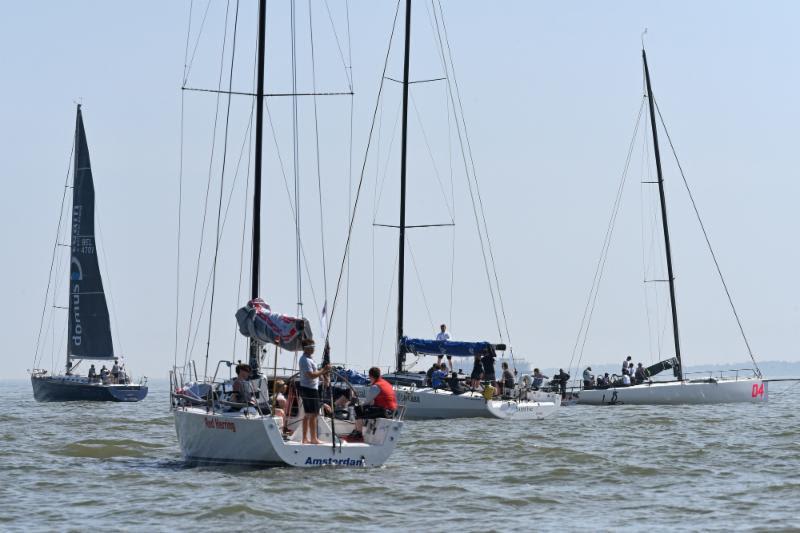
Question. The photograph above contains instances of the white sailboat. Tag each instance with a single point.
(521, 403)
(213, 428)
(726, 388)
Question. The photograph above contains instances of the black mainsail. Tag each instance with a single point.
(89, 326)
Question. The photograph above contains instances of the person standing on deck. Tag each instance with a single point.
(625, 364)
(444, 336)
(309, 391)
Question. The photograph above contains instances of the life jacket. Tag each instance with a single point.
(385, 397)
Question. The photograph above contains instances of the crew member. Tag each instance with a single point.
(309, 391)
(381, 401)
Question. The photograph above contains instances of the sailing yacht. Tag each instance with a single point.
(424, 402)
(727, 388)
(89, 329)
(214, 428)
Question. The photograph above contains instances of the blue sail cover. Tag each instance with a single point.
(451, 348)
(89, 334)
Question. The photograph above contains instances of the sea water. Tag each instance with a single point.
(81, 466)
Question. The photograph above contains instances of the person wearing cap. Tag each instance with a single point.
(507, 381)
(242, 388)
(381, 401)
(309, 391)
(587, 378)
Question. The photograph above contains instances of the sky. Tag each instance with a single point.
(550, 94)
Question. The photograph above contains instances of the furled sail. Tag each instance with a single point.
(451, 348)
(89, 326)
(662, 365)
(257, 321)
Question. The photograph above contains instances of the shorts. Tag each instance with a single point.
(488, 377)
(372, 411)
(476, 374)
(311, 403)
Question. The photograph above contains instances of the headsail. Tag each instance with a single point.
(89, 327)
(257, 321)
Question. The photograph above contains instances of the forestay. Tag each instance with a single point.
(89, 335)
(257, 321)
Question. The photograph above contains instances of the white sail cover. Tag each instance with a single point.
(257, 321)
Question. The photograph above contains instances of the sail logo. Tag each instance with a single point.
(76, 276)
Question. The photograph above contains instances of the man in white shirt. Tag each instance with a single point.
(444, 336)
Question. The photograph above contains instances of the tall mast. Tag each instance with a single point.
(402, 238)
(670, 276)
(262, 8)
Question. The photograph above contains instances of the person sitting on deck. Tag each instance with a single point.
(381, 402)
(507, 381)
(455, 384)
(587, 378)
(341, 399)
(429, 374)
(242, 388)
(438, 377)
(280, 398)
(604, 382)
(92, 374)
(538, 378)
(640, 375)
(477, 372)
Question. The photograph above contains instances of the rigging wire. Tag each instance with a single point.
(708, 241)
(319, 170)
(187, 66)
(180, 187)
(361, 178)
(221, 188)
(349, 174)
(588, 310)
(419, 282)
(246, 204)
(296, 160)
(208, 184)
(454, 95)
(36, 356)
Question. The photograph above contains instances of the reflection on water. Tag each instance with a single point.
(694, 467)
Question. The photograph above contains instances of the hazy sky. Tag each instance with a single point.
(550, 91)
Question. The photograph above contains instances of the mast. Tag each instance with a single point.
(402, 237)
(670, 276)
(262, 8)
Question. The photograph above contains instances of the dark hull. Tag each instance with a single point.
(58, 389)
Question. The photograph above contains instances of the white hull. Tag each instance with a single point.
(426, 404)
(251, 439)
(748, 390)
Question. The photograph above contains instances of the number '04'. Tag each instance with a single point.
(758, 390)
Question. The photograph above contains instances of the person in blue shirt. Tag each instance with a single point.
(438, 376)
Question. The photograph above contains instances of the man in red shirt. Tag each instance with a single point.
(381, 401)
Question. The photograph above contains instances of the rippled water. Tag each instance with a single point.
(118, 466)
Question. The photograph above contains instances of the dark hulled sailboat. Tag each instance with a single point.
(89, 327)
